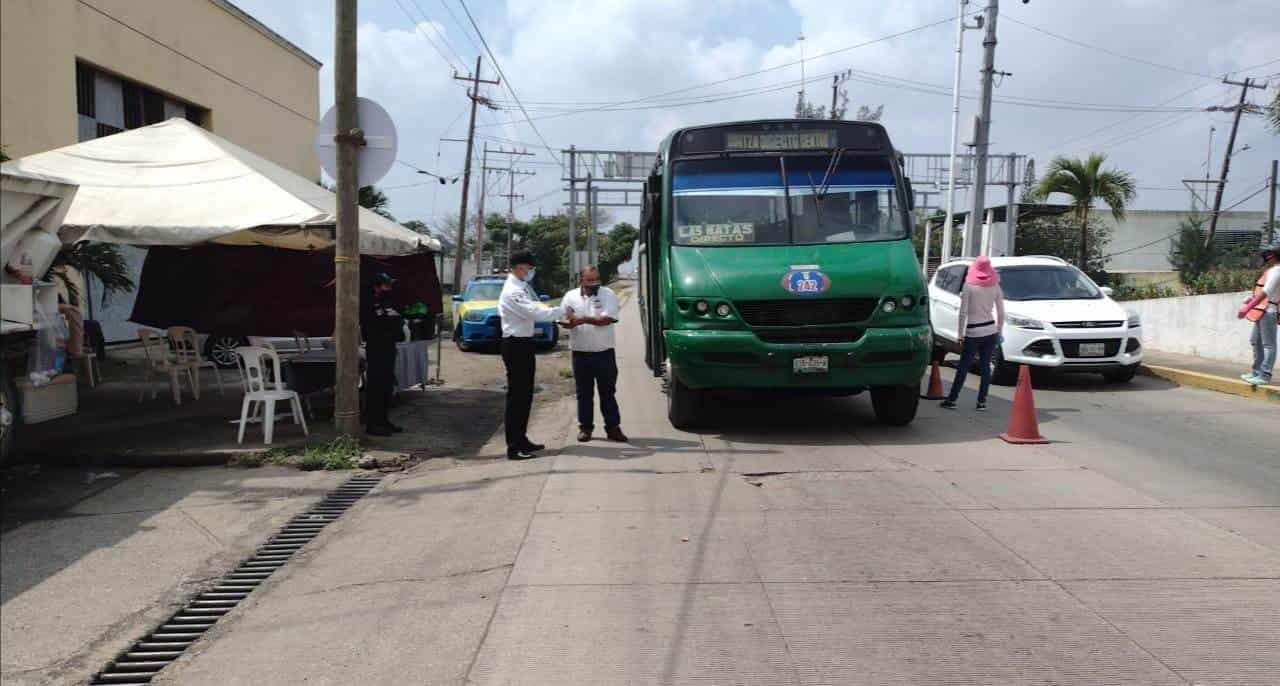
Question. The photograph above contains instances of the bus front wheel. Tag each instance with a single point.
(895, 405)
(682, 402)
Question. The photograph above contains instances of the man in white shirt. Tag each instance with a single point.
(1261, 309)
(520, 310)
(592, 311)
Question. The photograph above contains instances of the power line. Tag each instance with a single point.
(505, 81)
(197, 62)
(1107, 51)
(436, 28)
(465, 34)
(418, 28)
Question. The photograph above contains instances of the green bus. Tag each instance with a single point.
(776, 255)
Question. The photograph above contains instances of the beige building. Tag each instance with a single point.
(73, 70)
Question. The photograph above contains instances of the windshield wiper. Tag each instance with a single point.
(821, 194)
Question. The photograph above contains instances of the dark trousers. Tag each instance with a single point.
(517, 356)
(982, 347)
(592, 370)
(380, 379)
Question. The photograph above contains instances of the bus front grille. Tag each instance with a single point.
(816, 335)
(805, 312)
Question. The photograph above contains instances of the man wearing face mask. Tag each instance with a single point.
(592, 311)
(520, 310)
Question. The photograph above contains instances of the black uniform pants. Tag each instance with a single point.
(518, 357)
(380, 378)
(591, 370)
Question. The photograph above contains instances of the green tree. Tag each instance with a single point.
(373, 199)
(1086, 182)
(1273, 112)
(616, 249)
(1060, 237)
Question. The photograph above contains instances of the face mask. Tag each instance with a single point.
(591, 290)
(528, 276)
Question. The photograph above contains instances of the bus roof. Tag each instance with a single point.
(761, 135)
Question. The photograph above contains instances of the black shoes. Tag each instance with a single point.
(615, 434)
(947, 404)
(584, 435)
(520, 454)
(982, 407)
(534, 447)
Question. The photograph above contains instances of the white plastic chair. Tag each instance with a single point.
(259, 390)
(159, 363)
(186, 349)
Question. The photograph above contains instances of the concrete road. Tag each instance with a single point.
(798, 542)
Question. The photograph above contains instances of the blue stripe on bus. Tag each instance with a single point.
(771, 179)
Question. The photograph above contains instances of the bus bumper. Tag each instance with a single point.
(738, 359)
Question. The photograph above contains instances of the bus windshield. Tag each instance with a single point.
(820, 199)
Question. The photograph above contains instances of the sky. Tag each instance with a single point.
(1128, 78)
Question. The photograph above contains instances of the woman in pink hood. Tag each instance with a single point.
(979, 328)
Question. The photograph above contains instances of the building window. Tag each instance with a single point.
(85, 93)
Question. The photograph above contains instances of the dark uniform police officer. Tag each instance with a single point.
(382, 327)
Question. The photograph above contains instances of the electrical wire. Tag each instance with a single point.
(437, 29)
(505, 81)
(418, 28)
(465, 34)
(1107, 51)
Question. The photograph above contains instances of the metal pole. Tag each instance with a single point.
(484, 187)
(346, 329)
(591, 221)
(955, 133)
(466, 183)
(511, 210)
(1226, 156)
(982, 138)
(573, 214)
(1208, 165)
(440, 334)
(1011, 209)
(1271, 205)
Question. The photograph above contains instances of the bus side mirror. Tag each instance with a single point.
(911, 195)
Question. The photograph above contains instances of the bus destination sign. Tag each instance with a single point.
(823, 139)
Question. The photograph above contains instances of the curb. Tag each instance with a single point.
(1210, 382)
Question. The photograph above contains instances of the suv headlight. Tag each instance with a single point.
(1024, 322)
(1135, 320)
(475, 316)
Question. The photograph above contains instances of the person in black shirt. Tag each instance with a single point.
(382, 327)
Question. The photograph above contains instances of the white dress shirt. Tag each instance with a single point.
(589, 338)
(520, 309)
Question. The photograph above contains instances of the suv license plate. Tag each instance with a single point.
(811, 364)
(1093, 349)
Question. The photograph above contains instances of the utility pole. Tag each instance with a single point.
(982, 137)
(484, 174)
(955, 133)
(484, 189)
(591, 220)
(474, 94)
(1271, 205)
(835, 92)
(511, 196)
(573, 214)
(1226, 156)
(346, 259)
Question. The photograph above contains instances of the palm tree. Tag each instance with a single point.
(1085, 181)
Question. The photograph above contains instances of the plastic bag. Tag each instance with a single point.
(48, 348)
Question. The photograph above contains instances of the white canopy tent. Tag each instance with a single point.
(176, 184)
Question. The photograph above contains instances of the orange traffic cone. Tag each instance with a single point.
(1023, 427)
(935, 385)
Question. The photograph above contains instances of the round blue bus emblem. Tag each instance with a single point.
(805, 282)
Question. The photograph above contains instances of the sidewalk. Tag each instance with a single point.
(1199, 372)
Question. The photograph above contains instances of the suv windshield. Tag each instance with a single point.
(1035, 282)
(822, 199)
(484, 291)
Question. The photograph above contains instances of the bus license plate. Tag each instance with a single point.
(1093, 349)
(811, 364)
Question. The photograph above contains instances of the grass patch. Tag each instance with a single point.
(340, 453)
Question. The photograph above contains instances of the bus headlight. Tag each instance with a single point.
(723, 309)
(908, 301)
(702, 307)
(889, 306)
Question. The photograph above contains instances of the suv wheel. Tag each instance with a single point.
(221, 350)
(457, 339)
(895, 405)
(1004, 373)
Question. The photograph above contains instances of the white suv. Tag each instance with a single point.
(1055, 316)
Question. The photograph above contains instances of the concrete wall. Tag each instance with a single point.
(266, 98)
(1203, 325)
(1141, 242)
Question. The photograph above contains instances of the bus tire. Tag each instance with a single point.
(682, 403)
(11, 421)
(895, 405)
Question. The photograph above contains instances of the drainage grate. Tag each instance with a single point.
(147, 657)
